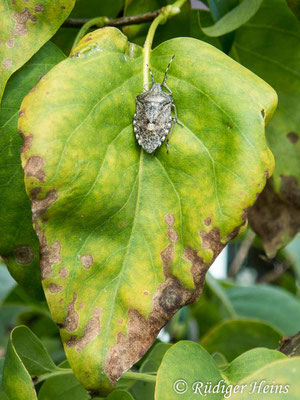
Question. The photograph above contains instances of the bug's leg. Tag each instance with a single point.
(146, 85)
(167, 87)
(165, 76)
(175, 113)
(152, 78)
(170, 134)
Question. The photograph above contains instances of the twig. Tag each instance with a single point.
(241, 254)
(135, 19)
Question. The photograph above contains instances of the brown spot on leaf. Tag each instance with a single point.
(21, 19)
(121, 321)
(24, 255)
(170, 299)
(39, 8)
(63, 7)
(53, 288)
(10, 42)
(207, 221)
(293, 137)
(63, 272)
(72, 318)
(91, 331)
(167, 254)
(34, 167)
(50, 255)
(40, 206)
(170, 296)
(87, 261)
(35, 192)
(267, 174)
(212, 240)
(198, 268)
(146, 292)
(141, 332)
(21, 113)
(7, 63)
(27, 142)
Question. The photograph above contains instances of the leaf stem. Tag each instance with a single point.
(137, 376)
(58, 372)
(98, 21)
(127, 20)
(165, 13)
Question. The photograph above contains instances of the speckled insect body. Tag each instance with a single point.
(153, 120)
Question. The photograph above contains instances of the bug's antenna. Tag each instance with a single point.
(165, 76)
(151, 74)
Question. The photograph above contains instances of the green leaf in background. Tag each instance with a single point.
(269, 45)
(63, 387)
(32, 352)
(142, 390)
(184, 364)
(295, 7)
(126, 237)
(26, 26)
(273, 305)
(235, 18)
(19, 244)
(234, 337)
(120, 395)
(249, 362)
(16, 381)
(283, 374)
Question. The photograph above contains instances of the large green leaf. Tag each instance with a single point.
(183, 365)
(19, 244)
(279, 379)
(25, 27)
(269, 45)
(273, 305)
(126, 237)
(234, 337)
(249, 362)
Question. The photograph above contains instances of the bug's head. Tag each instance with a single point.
(156, 88)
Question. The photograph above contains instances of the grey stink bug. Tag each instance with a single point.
(153, 120)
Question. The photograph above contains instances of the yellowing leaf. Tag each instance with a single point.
(127, 237)
(25, 27)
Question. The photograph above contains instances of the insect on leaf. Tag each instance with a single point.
(127, 237)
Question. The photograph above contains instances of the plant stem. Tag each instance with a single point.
(58, 372)
(139, 376)
(135, 19)
(241, 254)
(165, 13)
